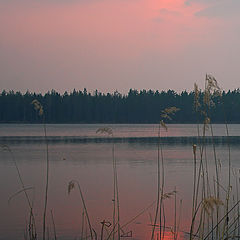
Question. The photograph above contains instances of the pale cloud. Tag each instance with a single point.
(44, 3)
(165, 11)
(189, 2)
(215, 8)
(23, 2)
(221, 9)
(158, 19)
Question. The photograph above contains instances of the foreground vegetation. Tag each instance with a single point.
(215, 201)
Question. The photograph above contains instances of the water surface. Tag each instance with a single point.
(90, 163)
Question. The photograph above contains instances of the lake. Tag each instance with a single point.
(77, 152)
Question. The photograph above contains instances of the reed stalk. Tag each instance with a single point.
(71, 186)
(114, 191)
(47, 179)
(158, 186)
(194, 177)
(165, 114)
(175, 215)
(82, 225)
(54, 226)
(32, 232)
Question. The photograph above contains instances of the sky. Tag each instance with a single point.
(118, 44)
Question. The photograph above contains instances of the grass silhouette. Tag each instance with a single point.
(214, 208)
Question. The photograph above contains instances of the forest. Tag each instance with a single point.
(136, 106)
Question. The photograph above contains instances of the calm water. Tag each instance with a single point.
(120, 130)
(90, 163)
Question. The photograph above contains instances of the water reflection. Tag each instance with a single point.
(90, 162)
(120, 130)
(222, 140)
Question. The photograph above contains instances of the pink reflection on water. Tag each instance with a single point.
(91, 165)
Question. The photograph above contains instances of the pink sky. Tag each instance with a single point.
(118, 44)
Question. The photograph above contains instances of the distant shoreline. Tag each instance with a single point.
(137, 107)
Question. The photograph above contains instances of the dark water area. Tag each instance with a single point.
(76, 152)
(145, 140)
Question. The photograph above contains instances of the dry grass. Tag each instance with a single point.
(215, 208)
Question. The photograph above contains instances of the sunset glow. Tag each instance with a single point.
(115, 44)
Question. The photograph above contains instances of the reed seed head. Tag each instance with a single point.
(196, 97)
(169, 111)
(5, 147)
(194, 149)
(38, 107)
(210, 203)
(211, 88)
(207, 121)
(206, 97)
(211, 83)
(162, 123)
(105, 130)
(71, 186)
(169, 194)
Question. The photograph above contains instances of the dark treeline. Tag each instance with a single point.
(135, 107)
